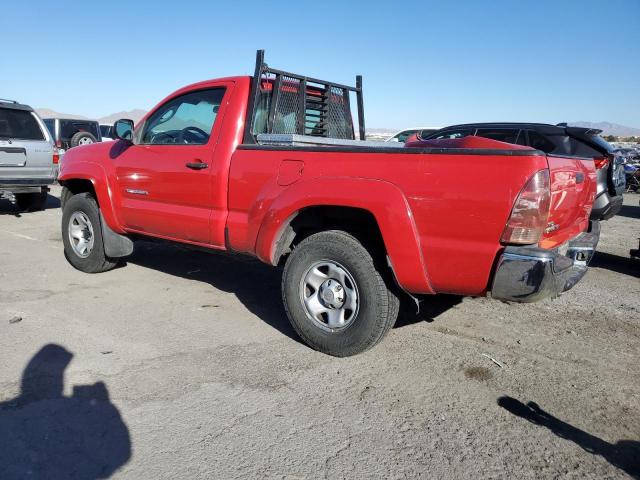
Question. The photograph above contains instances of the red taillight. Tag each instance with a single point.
(56, 157)
(530, 212)
(601, 162)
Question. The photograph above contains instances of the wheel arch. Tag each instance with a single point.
(375, 211)
(90, 177)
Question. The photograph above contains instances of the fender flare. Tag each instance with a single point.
(382, 199)
(96, 174)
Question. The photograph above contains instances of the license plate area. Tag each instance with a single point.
(12, 156)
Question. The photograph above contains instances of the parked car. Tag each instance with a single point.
(268, 166)
(630, 155)
(402, 135)
(106, 132)
(558, 140)
(68, 132)
(28, 158)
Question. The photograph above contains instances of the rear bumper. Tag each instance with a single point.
(529, 274)
(605, 206)
(7, 183)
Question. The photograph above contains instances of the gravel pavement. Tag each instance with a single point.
(182, 365)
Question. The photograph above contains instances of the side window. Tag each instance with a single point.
(581, 149)
(454, 133)
(507, 135)
(51, 126)
(402, 136)
(539, 142)
(184, 120)
(105, 131)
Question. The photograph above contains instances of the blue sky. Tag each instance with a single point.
(424, 63)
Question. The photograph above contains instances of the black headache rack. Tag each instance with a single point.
(286, 103)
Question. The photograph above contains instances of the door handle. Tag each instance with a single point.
(197, 165)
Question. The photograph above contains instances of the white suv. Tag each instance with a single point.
(28, 157)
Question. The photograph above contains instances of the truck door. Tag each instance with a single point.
(165, 178)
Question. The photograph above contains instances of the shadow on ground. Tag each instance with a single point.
(615, 263)
(7, 208)
(624, 454)
(45, 434)
(630, 211)
(256, 285)
(431, 307)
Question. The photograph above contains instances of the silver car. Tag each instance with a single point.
(28, 157)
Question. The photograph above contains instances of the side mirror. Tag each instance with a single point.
(123, 129)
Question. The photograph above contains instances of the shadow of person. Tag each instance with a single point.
(624, 455)
(44, 434)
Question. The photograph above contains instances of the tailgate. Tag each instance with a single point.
(573, 190)
(26, 150)
(26, 158)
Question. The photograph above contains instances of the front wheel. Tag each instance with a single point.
(336, 296)
(82, 235)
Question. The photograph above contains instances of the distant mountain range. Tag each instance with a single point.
(135, 115)
(609, 128)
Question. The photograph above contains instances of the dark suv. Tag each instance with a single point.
(68, 133)
(557, 140)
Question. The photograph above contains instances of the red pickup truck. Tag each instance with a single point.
(269, 166)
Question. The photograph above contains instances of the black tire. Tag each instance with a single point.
(378, 305)
(31, 202)
(96, 261)
(82, 138)
(65, 195)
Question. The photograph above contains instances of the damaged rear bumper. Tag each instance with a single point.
(529, 274)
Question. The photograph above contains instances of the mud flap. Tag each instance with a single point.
(115, 245)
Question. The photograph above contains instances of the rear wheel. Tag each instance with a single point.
(335, 295)
(82, 235)
(31, 202)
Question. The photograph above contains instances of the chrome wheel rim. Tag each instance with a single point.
(85, 141)
(329, 295)
(81, 235)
